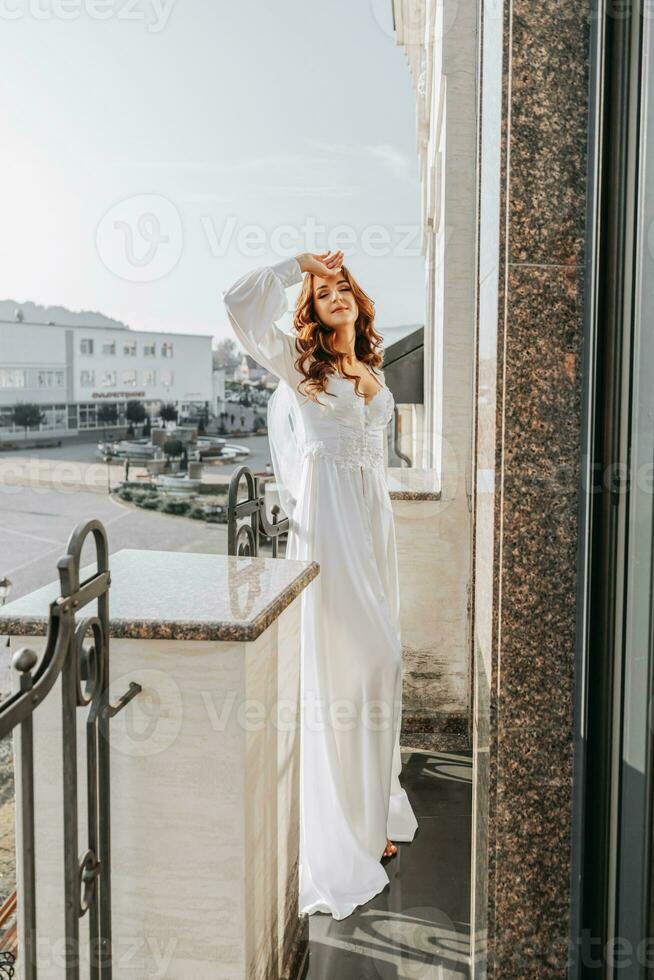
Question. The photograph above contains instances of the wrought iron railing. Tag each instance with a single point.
(247, 521)
(397, 435)
(84, 671)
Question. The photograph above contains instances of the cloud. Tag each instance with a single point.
(389, 156)
(319, 160)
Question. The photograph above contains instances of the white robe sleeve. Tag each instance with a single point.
(253, 304)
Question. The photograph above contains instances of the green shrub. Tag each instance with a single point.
(217, 516)
(148, 502)
(175, 506)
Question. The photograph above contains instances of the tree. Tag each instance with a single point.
(168, 412)
(173, 448)
(135, 413)
(27, 414)
(107, 415)
(226, 354)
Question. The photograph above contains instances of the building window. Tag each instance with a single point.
(166, 378)
(12, 377)
(166, 349)
(108, 379)
(88, 418)
(149, 377)
(87, 379)
(55, 417)
(149, 350)
(50, 379)
(86, 345)
(109, 347)
(130, 349)
(129, 378)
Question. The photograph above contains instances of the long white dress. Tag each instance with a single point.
(351, 670)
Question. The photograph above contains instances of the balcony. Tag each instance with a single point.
(186, 812)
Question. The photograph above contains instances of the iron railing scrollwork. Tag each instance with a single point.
(397, 436)
(7, 961)
(244, 538)
(83, 666)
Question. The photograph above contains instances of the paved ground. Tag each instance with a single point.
(84, 450)
(35, 523)
(419, 926)
(46, 492)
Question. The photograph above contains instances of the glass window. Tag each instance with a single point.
(50, 379)
(149, 377)
(88, 416)
(12, 377)
(86, 345)
(109, 347)
(166, 378)
(167, 349)
(149, 350)
(129, 378)
(87, 379)
(108, 379)
(130, 349)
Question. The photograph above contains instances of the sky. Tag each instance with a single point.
(156, 150)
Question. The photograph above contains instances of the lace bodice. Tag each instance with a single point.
(346, 429)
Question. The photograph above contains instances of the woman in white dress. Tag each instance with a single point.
(327, 423)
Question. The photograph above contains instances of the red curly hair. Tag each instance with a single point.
(314, 340)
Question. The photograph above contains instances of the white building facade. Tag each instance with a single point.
(70, 371)
(439, 38)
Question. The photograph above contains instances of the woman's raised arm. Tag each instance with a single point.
(253, 304)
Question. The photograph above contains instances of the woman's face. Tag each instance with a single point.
(333, 301)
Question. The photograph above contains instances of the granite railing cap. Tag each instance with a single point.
(407, 483)
(177, 595)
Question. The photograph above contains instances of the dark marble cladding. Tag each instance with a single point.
(532, 691)
(549, 95)
(540, 489)
(524, 782)
(532, 894)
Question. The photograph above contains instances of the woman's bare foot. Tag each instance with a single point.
(390, 850)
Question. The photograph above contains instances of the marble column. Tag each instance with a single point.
(532, 230)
